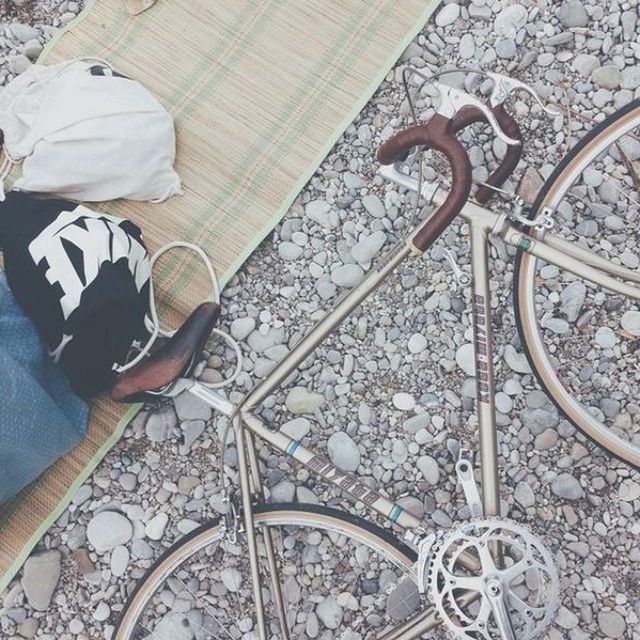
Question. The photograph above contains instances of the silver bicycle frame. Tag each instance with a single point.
(247, 425)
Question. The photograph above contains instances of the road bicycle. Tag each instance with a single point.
(293, 570)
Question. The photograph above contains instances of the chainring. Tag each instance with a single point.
(463, 562)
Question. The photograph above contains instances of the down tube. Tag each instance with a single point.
(485, 386)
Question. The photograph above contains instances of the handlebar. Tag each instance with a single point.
(439, 134)
(468, 116)
(434, 135)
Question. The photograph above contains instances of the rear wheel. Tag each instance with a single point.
(582, 340)
(340, 577)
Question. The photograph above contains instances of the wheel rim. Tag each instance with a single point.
(525, 303)
(395, 553)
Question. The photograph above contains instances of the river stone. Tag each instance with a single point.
(119, 561)
(630, 78)
(524, 495)
(347, 275)
(108, 529)
(585, 63)
(101, 612)
(283, 491)
(516, 361)
(403, 600)
(289, 251)
(188, 407)
(403, 401)
(631, 322)
(297, 428)
(416, 423)
(447, 15)
(156, 526)
(374, 205)
(242, 327)
(510, 20)
(160, 424)
(318, 211)
(612, 624)
(329, 612)
(465, 359)
(343, 451)
(429, 469)
(605, 337)
(40, 578)
(417, 343)
(573, 14)
(565, 486)
(572, 298)
(607, 76)
(367, 248)
(301, 400)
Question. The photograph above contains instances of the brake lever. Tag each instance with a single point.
(504, 86)
(453, 100)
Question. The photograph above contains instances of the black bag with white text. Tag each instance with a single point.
(83, 277)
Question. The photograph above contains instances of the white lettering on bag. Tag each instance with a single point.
(99, 238)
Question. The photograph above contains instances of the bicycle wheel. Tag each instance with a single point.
(581, 339)
(341, 577)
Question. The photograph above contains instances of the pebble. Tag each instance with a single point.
(242, 327)
(301, 400)
(630, 322)
(585, 64)
(101, 612)
(188, 407)
(403, 401)
(347, 275)
(417, 343)
(605, 337)
(524, 495)
(607, 76)
(565, 486)
(573, 14)
(448, 15)
(343, 451)
(297, 428)
(119, 560)
(510, 20)
(329, 612)
(40, 577)
(374, 206)
(516, 361)
(429, 469)
(368, 248)
(156, 526)
(160, 424)
(612, 624)
(18, 64)
(109, 529)
(465, 359)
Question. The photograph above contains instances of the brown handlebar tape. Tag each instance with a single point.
(471, 115)
(434, 135)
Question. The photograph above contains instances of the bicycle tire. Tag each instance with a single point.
(377, 538)
(553, 190)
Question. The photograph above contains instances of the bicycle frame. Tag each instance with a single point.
(247, 425)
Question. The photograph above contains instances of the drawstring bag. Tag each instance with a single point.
(40, 416)
(84, 278)
(87, 133)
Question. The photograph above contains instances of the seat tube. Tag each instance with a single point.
(485, 386)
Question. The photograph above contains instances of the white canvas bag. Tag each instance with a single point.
(87, 137)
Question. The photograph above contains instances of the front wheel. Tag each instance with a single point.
(582, 340)
(340, 577)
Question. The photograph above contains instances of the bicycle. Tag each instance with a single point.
(487, 577)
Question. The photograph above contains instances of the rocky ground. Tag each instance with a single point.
(391, 394)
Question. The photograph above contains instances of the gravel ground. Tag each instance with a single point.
(393, 389)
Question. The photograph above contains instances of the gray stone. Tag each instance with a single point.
(403, 601)
(318, 211)
(347, 275)
(606, 76)
(329, 612)
(40, 578)
(23, 32)
(192, 430)
(297, 428)
(630, 78)
(429, 469)
(510, 20)
(524, 495)
(605, 337)
(368, 248)
(102, 612)
(506, 49)
(565, 486)
(119, 561)
(289, 251)
(301, 400)
(283, 491)
(156, 526)
(374, 205)
(188, 407)
(573, 14)
(343, 451)
(160, 424)
(516, 361)
(18, 64)
(572, 298)
(612, 624)
(585, 63)
(467, 46)
(108, 529)
(242, 327)
(416, 423)
(465, 359)
(417, 343)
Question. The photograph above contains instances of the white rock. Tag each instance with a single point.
(156, 526)
(343, 451)
(403, 401)
(631, 322)
(119, 561)
(108, 529)
(374, 205)
(368, 248)
(417, 343)
(242, 327)
(347, 275)
(429, 469)
(101, 612)
(231, 578)
(188, 407)
(524, 495)
(318, 211)
(612, 624)
(40, 578)
(465, 359)
(289, 251)
(448, 15)
(297, 428)
(564, 485)
(329, 612)
(301, 400)
(517, 361)
(605, 337)
(510, 20)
